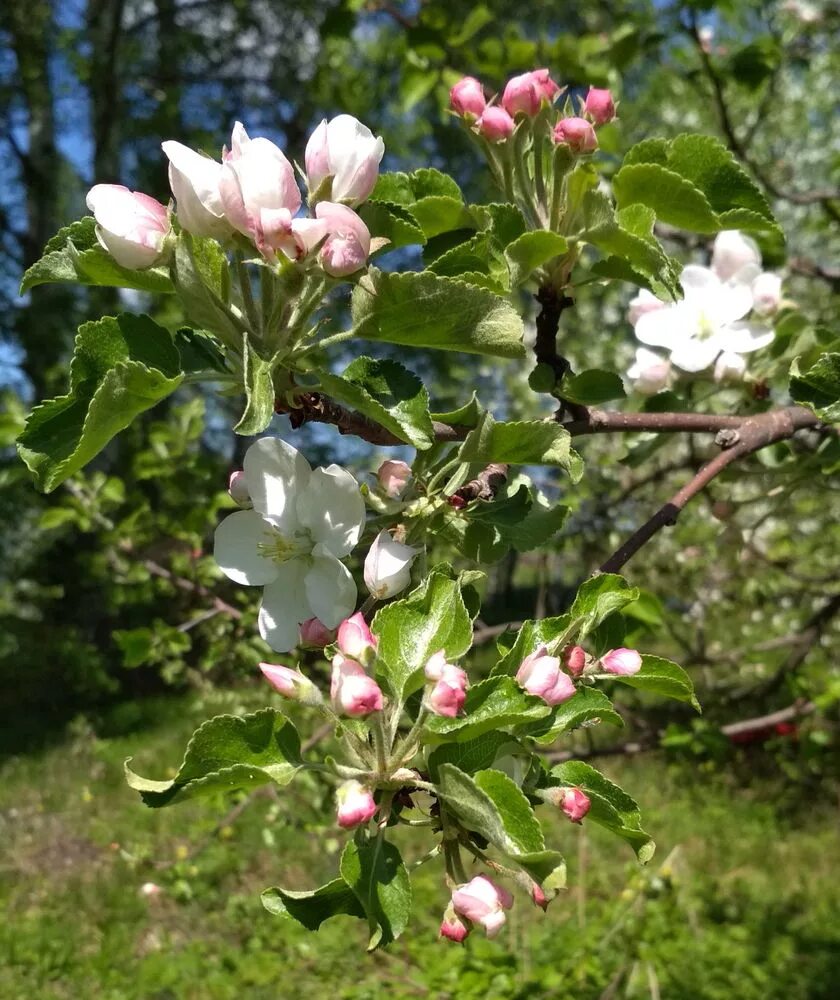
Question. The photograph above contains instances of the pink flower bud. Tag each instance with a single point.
(130, 225)
(291, 683)
(527, 92)
(483, 902)
(732, 251)
(730, 367)
(650, 372)
(348, 241)
(345, 150)
(448, 695)
(238, 489)
(315, 635)
(452, 926)
(574, 658)
(574, 802)
(540, 674)
(355, 639)
(388, 566)
(599, 106)
(539, 897)
(467, 97)
(352, 691)
(622, 661)
(355, 804)
(767, 293)
(576, 133)
(495, 124)
(393, 477)
(195, 180)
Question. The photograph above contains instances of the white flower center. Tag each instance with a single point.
(706, 326)
(281, 548)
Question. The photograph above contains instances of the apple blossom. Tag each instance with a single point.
(452, 927)
(495, 124)
(355, 804)
(539, 897)
(574, 802)
(729, 367)
(388, 566)
(352, 691)
(467, 97)
(732, 251)
(150, 890)
(347, 247)
(393, 477)
(291, 684)
(449, 691)
(315, 635)
(644, 302)
(622, 661)
(482, 901)
(355, 639)
(238, 489)
(599, 106)
(345, 150)
(650, 372)
(130, 225)
(577, 133)
(302, 524)
(194, 180)
(527, 92)
(707, 321)
(767, 293)
(574, 659)
(540, 674)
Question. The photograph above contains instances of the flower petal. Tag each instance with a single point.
(666, 327)
(734, 299)
(332, 508)
(745, 337)
(330, 589)
(284, 606)
(275, 472)
(237, 549)
(695, 354)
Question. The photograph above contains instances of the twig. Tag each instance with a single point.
(486, 484)
(179, 581)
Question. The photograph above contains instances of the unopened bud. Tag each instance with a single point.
(539, 897)
(355, 805)
(576, 133)
(393, 477)
(573, 802)
(467, 98)
(574, 659)
(452, 927)
(355, 639)
(291, 683)
(315, 635)
(599, 106)
(238, 489)
(622, 661)
(495, 124)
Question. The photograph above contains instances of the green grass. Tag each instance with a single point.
(741, 901)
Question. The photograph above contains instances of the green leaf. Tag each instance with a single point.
(530, 251)
(375, 872)
(538, 527)
(593, 387)
(227, 753)
(587, 707)
(493, 704)
(674, 199)
(392, 222)
(433, 199)
(75, 254)
(492, 805)
(198, 351)
(532, 634)
(426, 310)
(610, 807)
(259, 392)
(660, 676)
(121, 366)
(473, 755)
(524, 442)
(312, 908)
(410, 630)
(465, 416)
(818, 386)
(199, 271)
(388, 393)
(598, 597)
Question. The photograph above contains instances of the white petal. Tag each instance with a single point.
(695, 354)
(733, 301)
(666, 327)
(330, 589)
(284, 606)
(388, 566)
(732, 251)
(275, 472)
(698, 282)
(745, 337)
(332, 508)
(237, 548)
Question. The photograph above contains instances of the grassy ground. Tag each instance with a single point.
(742, 900)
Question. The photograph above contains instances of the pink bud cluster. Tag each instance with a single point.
(541, 675)
(252, 190)
(449, 686)
(479, 901)
(526, 96)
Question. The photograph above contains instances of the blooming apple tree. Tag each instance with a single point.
(424, 742)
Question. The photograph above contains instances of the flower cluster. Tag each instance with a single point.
(709, 326)
(251, 192)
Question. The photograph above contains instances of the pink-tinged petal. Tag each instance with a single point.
(733, 250)
(467, 98)
(622, 661)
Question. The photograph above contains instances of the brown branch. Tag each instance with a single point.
(605, 421)
(486, 484)
(196, 588)
(753, 434)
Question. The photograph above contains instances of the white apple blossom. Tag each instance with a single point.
(388, 566)
(650, 372)
(733, 251)
(767, 293)
(708, 321)
(302, 523)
